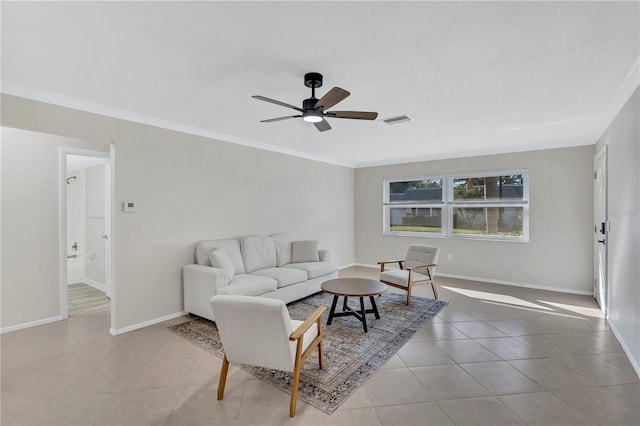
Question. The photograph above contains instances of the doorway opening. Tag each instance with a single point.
(85, 224)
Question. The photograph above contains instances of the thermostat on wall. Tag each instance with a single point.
(128, 206)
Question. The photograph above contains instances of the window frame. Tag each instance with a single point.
(388, 205)
(448, 204)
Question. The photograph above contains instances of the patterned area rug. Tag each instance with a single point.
(350, 355)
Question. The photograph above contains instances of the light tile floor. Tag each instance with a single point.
(497, 355)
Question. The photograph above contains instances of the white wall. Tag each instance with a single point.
(189, 188)
(622, 139)
(558, 254)
(30, 278)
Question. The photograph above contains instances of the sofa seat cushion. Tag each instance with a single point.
(284, 276)
(249, 285)
(314, 269)
(401, 276)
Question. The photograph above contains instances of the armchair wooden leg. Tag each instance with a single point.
(409, 294)
(296, 379)
(294, 391)
(223, 377)
(320, 358)
(435, 292)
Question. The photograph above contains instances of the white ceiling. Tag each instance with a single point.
(477, 77)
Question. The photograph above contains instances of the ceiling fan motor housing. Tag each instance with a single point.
(313, 79)
(309, 104)
(311, 114)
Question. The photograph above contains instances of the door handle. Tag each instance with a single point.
(105, 237)
(602, 241)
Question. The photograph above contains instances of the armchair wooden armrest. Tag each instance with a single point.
(383, 263)
(314, 317)
(431, 265)
(428, 271)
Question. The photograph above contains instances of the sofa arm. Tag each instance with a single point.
(201, 283)
(324, 255)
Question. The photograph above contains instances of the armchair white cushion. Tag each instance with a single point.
(258, 331)
(418, 267)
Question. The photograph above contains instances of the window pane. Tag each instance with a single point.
(416, 190)
(418, 219)
(497, 221)
(488, 188)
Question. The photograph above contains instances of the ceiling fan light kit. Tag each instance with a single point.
(315, 110)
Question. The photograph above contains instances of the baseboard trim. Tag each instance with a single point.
(501, 282)
(95, 284)
(366, 265)
(115, 332)
(340, 268)
(30, 324)
(625, 348)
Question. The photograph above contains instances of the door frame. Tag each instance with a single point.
(604, 304)
(62, 225)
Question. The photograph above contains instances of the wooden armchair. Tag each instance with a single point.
(418, 267)
(258, 331)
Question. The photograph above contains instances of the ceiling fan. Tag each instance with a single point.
(315, 110)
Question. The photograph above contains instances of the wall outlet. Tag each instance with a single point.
(449, 257)
(128, 206)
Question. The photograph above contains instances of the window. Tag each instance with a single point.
(489, 205)
(414, 206)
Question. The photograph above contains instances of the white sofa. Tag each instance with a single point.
(276, 266)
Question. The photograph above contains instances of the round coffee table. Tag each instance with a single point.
(353, 287)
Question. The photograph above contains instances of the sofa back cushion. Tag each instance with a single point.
(231, 247)
(258, 252)
(283, 248)
(220, 259)
(304, 251)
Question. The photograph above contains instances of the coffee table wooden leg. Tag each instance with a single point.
(375, 308)
(333, 309)
(364, 314)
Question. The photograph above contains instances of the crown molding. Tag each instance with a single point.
(21, 91)
(478, 153)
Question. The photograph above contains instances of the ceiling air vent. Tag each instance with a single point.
(398, 119)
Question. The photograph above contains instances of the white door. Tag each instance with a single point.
(600, 229)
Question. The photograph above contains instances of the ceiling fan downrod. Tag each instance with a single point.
(313, 80)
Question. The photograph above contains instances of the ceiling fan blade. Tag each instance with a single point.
(331, 98)
(355, 115)
(271, 120)
(273, 101)
(323, 125)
